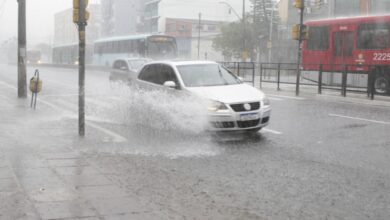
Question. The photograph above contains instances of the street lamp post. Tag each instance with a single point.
(243, 23)
(231, 8)
(271, 31)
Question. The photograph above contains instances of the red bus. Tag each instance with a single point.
(360, 44)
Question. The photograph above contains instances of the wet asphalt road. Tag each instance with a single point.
(318, 159)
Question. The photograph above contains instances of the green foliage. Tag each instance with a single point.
(256, 33)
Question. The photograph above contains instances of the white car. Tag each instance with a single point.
(232, 104)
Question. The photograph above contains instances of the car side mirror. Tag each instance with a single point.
(170, 84)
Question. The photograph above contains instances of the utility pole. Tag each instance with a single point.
(80, 17)
(244, 52)
(200, 21)
(22, 51)
(301, 27)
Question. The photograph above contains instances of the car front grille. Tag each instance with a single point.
(248, 124)
(224, 124)
(240, 107)
(264, 120)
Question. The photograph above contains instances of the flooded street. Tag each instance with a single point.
(136, 164)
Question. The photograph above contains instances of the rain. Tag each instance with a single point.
(208, 109)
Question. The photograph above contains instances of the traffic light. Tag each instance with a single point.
(298, 4)
(295, 32)
(76, 9)
(305, 32)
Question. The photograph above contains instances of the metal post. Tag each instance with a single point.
(238, 69)
(261, 75)
(200, 19)
(244, 32)
(344, 81)
(299, 49)
(81, 26)
(369, 82)
(320, 80)
(253, 73)
(373, 76)
(22, 51)
(278, 76)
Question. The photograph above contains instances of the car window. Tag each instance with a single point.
(206, 75)
(119, 64)
(167, 74)
(150, 73)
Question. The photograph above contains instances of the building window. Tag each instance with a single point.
(212, 28)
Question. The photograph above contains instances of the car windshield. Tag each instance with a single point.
(206, 75)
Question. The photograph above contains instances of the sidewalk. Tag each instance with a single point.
(42, 176)
(329, 95)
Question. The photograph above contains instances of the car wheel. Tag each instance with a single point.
(381, 85)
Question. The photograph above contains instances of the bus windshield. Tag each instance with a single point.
(157, 50)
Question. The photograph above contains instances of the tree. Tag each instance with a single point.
(230, 41)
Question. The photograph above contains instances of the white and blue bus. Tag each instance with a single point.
(149, 46)
(69, 54)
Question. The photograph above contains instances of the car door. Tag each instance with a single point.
(153, 77)
(149, 77)
(168, 74)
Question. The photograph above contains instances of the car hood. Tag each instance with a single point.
(229, 93)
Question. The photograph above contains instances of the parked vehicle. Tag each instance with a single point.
(126, 68)
(360, 44)
(232, 104)
(34, 57)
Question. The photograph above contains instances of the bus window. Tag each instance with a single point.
(343, 44)
(318, 38)
(373, 36)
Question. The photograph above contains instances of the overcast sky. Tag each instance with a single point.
(40, 19)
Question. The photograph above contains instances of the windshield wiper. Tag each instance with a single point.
(220, 74)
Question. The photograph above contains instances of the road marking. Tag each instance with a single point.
(60, 95)
(99, 103)
(116, 137)
(272, 131)
(275, 99)
(285, 96)
(69, 85)
(8, 85)
(360, 119)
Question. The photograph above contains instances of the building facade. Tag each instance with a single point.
(177, 18)
(65, 31)
(122, 17)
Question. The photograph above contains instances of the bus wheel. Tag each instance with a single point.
(382, 85)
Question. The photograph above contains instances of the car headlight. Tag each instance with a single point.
(215, 106)
(266, 101)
